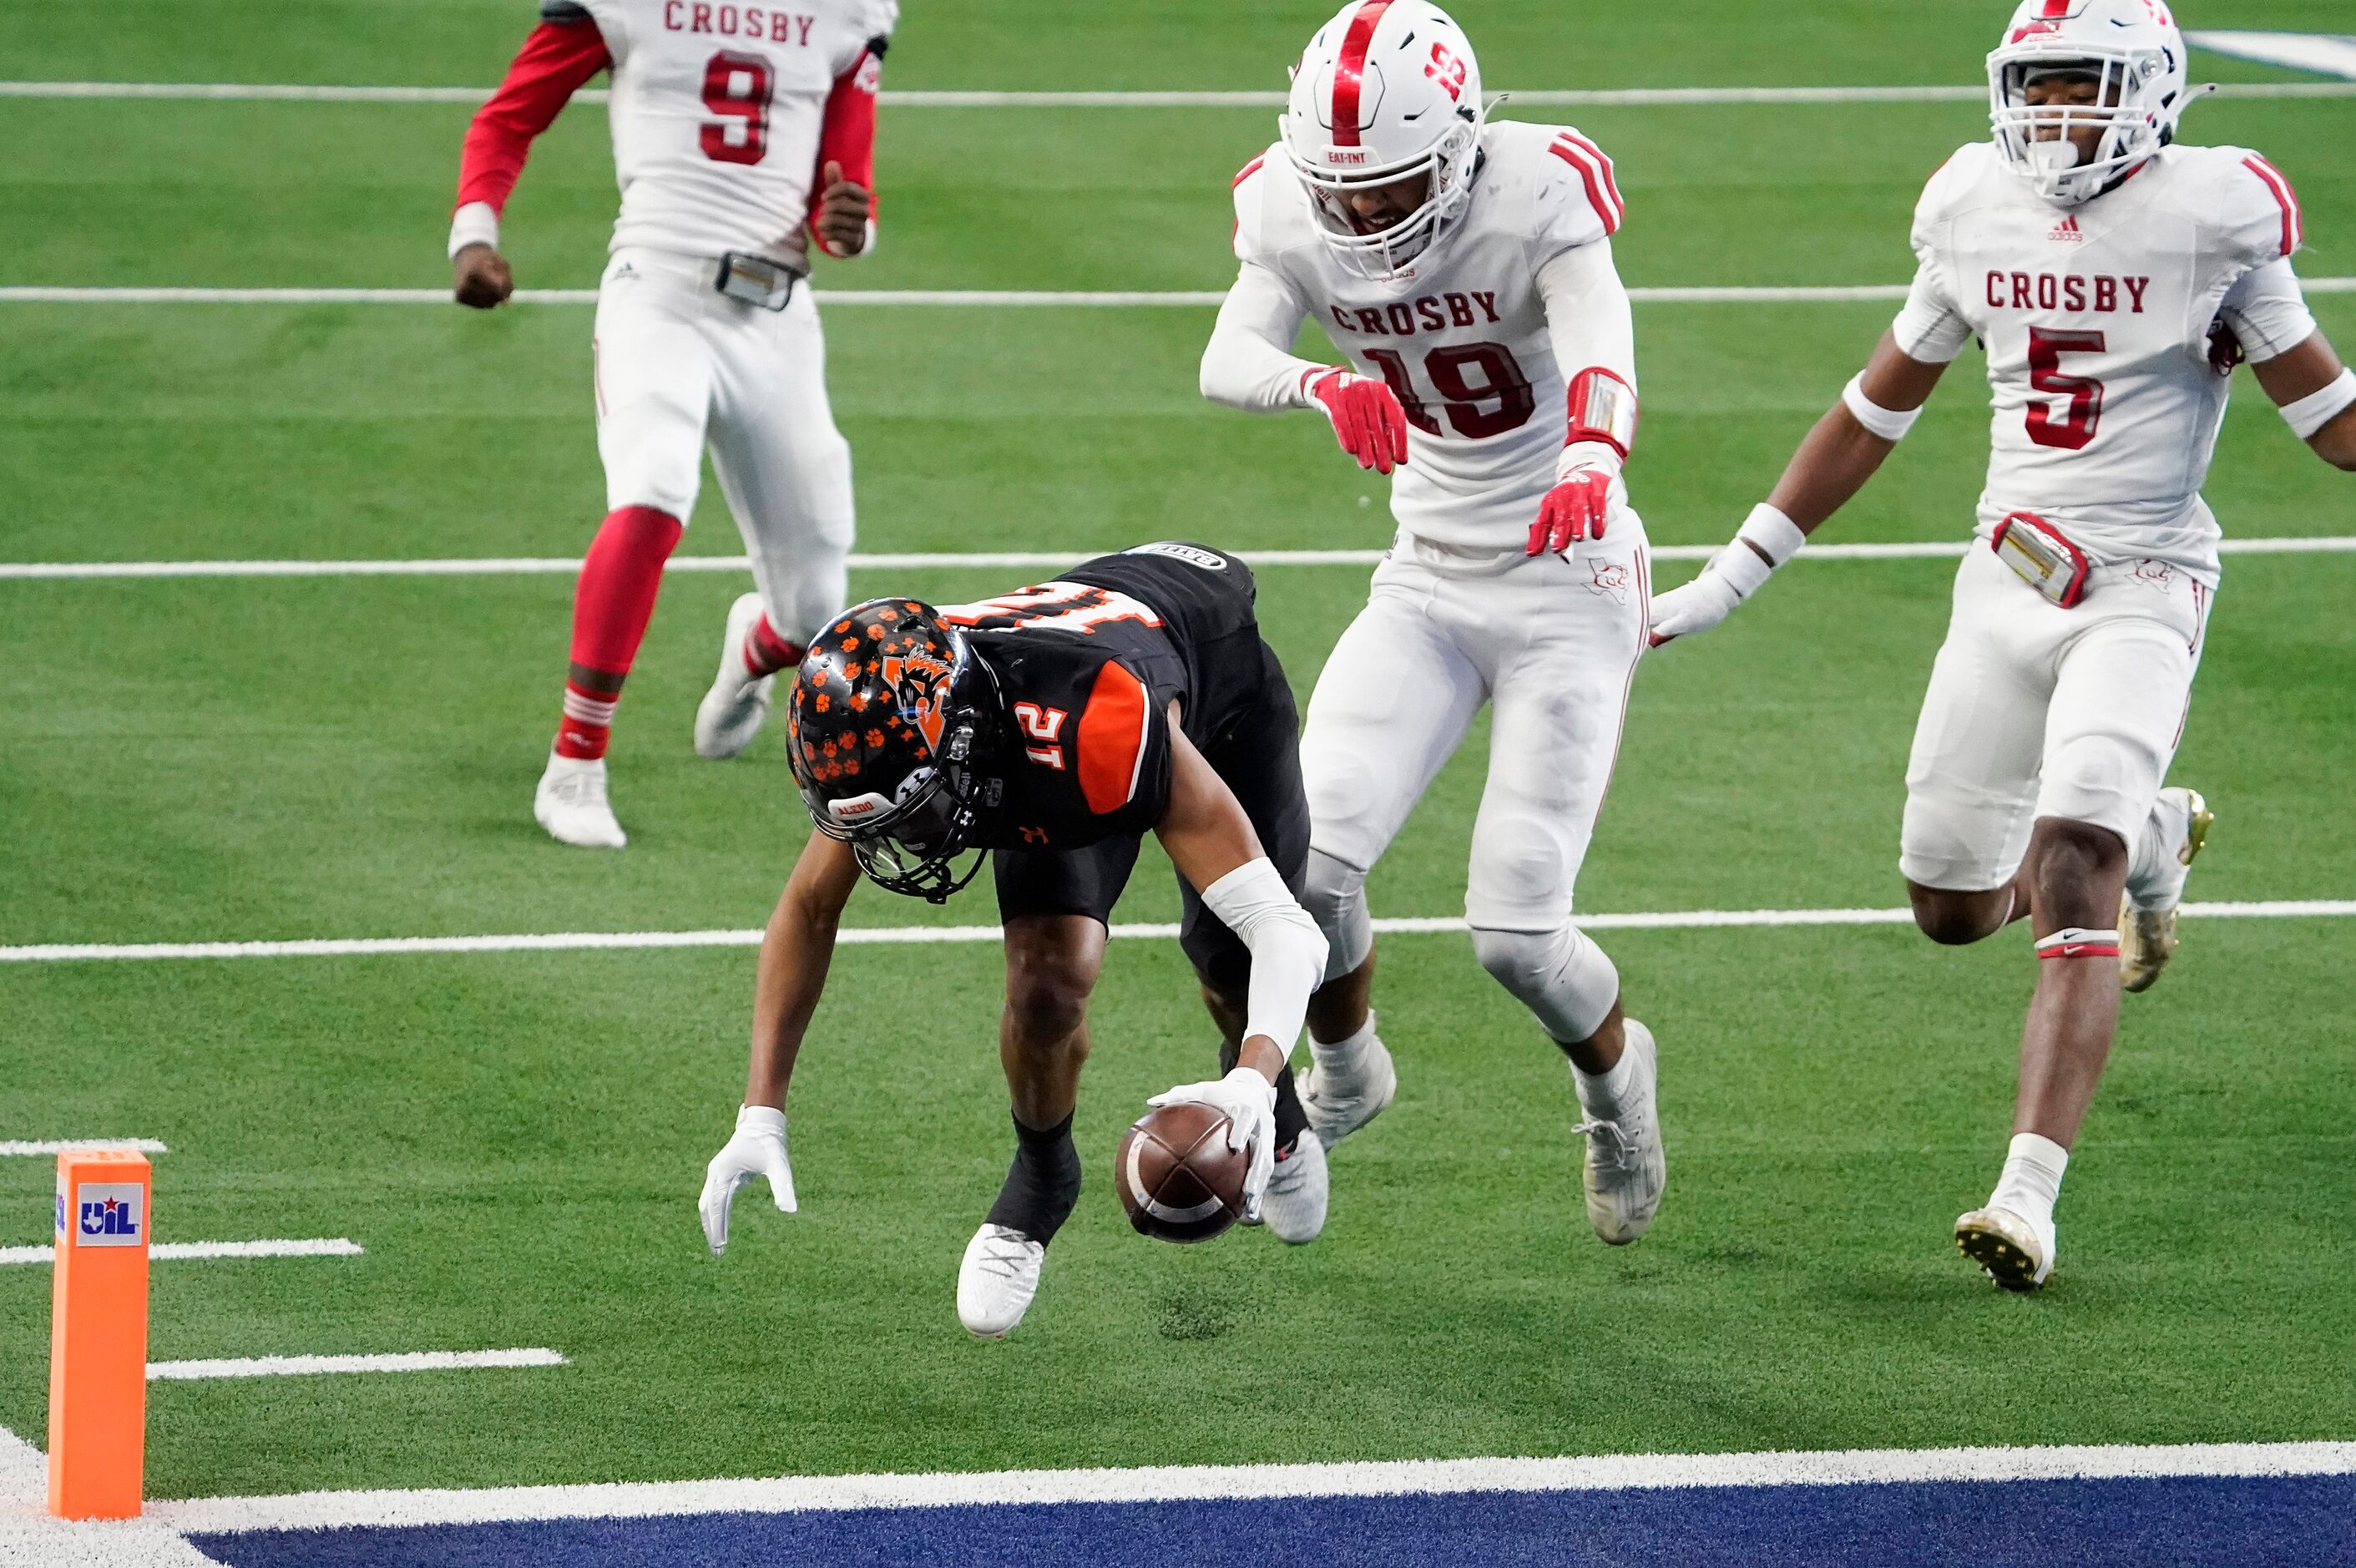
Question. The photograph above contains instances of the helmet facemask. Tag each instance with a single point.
(1384, 255)
(2133, 108)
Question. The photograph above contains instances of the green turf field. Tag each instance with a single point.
(517, 1139)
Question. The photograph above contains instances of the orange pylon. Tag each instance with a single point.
(98, 1335)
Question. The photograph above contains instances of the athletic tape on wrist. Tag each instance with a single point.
(2317, 408)
(2077, 941)
(1602, 408)
(1890, 423)
(474, 225)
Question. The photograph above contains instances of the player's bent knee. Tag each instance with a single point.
(1561, 976)
(1048, 987)
(1954, 919)
(2067, 857)
(1336, 895)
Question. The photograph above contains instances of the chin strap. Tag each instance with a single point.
(1602, 408)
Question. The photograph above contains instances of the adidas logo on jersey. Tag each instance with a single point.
(2067, 230)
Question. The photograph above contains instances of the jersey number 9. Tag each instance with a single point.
(736, 87)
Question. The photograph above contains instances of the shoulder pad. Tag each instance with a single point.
(1576, 188)
(2253, 205)
(1250, 187)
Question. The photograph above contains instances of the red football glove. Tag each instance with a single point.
(1367, 419)
(1574, 510)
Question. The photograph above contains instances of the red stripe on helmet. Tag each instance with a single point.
(2056, 10)
(1351, 67)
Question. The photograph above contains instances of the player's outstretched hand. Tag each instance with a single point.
(843, 210)
(1574, 510)
(758, 1149)
(1695, 606)
(1248, 1103)
(1367, 419)
(479, 277)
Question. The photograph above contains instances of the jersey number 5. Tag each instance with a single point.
(2075, 429)
(1465, 403)
(736, 88)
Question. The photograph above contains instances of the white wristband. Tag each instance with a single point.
(2317, 408)
(1777, 537)
(474, 225)
(1890, 423)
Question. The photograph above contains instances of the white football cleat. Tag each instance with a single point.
(2147, 913)
(1626, 1168)
(731, 712)
(571, 803)
(997, 1280)
(1293, 1207)
(2008, 1247)
(1338, 1105)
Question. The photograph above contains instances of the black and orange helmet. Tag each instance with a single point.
(892, 733)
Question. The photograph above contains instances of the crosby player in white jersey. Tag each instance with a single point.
(735, 127)
(2115, 277)
(1465, 269)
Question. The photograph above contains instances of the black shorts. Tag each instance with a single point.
(1258, 756)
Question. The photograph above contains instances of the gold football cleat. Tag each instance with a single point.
(2148, 937)
(2002, 1243)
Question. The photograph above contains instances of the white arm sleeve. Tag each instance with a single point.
(1248, 362)
(2267, 311)
(1587, 318)
(1288, 950)
(1929, 327)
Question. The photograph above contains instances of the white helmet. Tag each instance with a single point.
(2132, 47)
(1387, 89)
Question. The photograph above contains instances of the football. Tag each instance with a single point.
(1177, 1178)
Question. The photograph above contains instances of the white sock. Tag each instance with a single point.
(1342, 1058)
(2155, 874)
(1601, 1093)
(2032, 1179)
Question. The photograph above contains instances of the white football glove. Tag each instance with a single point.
(1249, 1101)
(1694, 607)
(758, 1149)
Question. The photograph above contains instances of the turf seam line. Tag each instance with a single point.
(40, 1147)
(43, 294)
(381, 1509)
(528, 566)
(862, 936)
(314, 1365)
(181, 1251)
(1545, 98)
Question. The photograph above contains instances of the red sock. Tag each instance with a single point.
(765, 652)
(610, 610)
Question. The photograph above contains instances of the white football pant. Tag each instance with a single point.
(679, 365)
(1551, 644)
(2035, 710)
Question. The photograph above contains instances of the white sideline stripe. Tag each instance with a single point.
(1013, 561)
(175, 1251)
(968, 298)
(1549, 97)
(30, 1536)
(2326, 54)
(339, 1511)
(870, 935)
(310, 1366)
(61, 1146)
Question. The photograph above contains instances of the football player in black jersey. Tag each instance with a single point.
(1050, 729)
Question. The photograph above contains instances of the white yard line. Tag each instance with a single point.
(1010, 561)
(40, 1147)
(1541, 98)
(177, 1251)
(869, 936)
(963, 298)
(2326, 54)
(311, 1365)
(336, 1510)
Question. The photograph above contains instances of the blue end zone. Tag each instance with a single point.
(2293, 1523)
